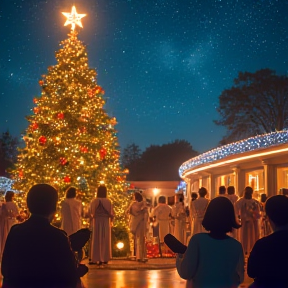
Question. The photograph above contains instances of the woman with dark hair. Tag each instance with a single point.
(9, 212)
(138, 225)
(248, 209)
(101, 211)
(214, 259)
(71, 210)
(198, 208)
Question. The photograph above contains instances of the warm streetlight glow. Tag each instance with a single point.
(155, 191)
(73, 18)
(120, 245)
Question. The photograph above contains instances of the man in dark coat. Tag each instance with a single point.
(36, 253)
(268, 260)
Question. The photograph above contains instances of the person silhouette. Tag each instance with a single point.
(214, 259)
(268, 260)
(36, 253)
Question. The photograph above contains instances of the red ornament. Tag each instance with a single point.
(41, 82)
(35, 100)
(42, 140)
(83, 149)
(132, 186)
(60, 115)
(34, 126)
(63, 161)
(103, 153)
(21, 174)
(36, 110)
(67, 179)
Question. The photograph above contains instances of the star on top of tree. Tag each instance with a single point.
(73, 18)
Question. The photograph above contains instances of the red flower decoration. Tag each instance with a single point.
(83, 149)
(35, 100)
(41, 82)
(103, 153)
(60, 115)
(42, 140)
(67, 179)
(63, 161)
(34, 126)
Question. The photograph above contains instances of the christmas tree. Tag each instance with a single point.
(70, 140)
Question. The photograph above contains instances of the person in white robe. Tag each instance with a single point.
(9, 212)
(102, 213)
(178, 212)
(138, 225)
(163, 213)
(248, 209)
(71, 210)
(198, 208)
(233, 198)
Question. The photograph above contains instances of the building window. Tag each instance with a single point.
(255, 179)
(282, 179)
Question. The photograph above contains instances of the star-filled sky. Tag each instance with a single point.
(162, 63)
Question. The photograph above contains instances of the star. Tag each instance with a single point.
(73, 18)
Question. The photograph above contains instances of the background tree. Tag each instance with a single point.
(8, 153)
(70, 139)
(131, 158)
(161, 163)
(256, 104)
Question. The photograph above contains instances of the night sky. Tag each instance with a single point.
(162, 63)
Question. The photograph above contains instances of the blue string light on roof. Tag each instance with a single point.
(246, 145)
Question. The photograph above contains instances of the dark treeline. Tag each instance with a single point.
(157, 162)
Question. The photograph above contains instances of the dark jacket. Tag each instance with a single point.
(37, 254)
(268, 261)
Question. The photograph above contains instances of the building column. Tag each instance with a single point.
(236, 171)
(270, 179)
(241, 182)
(212, 186)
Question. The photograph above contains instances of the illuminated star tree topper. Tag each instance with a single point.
(73, 18)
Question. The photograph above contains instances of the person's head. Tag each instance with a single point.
(9, 196)
(71, 192)
(276, 208)
(248, 191)
(42, 200)
(202, 192)
(102, 192)
(222, 190)
(220, 216)
(162, 199)
(263, 198)
(138, 196)
(231, 190)
(194, 196)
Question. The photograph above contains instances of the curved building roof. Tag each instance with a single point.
(251, 144)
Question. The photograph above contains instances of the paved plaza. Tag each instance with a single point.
(125, 273)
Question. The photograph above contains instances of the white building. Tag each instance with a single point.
(260, 162)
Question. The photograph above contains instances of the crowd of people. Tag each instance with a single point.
(222, 232)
